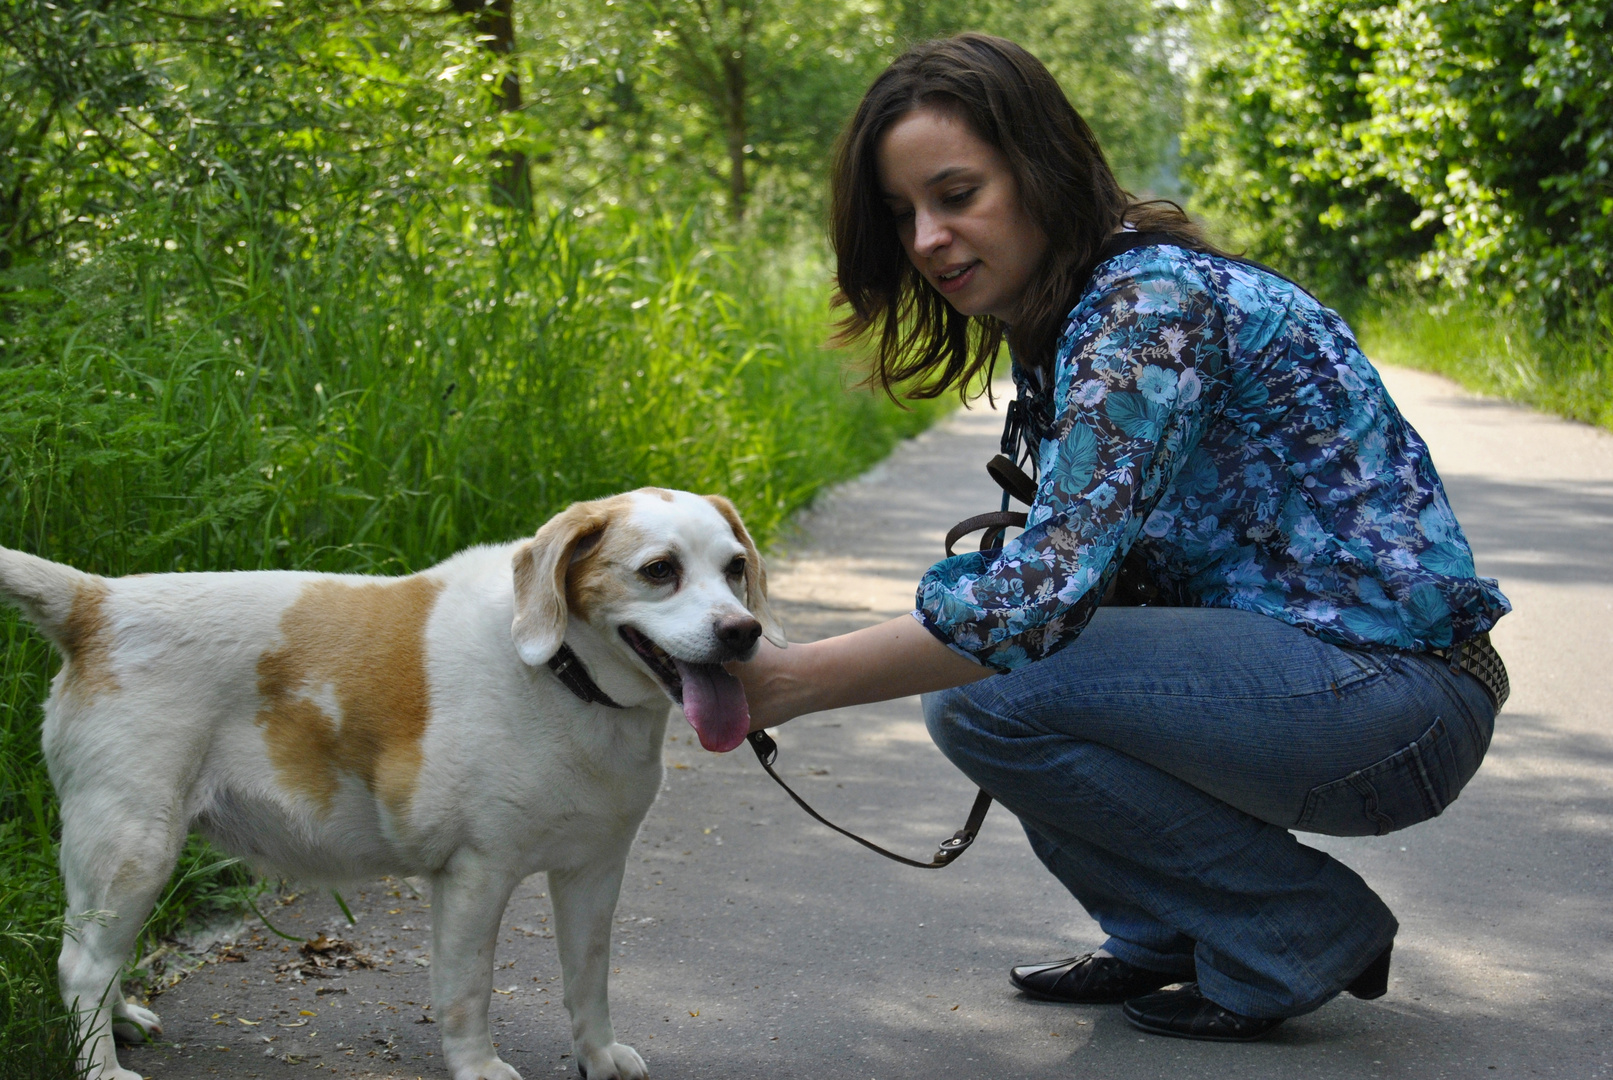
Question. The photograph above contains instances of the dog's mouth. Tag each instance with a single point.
(712, 700)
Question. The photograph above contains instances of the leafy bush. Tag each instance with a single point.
(1269, 149)
(1466, 142)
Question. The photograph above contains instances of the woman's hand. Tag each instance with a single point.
(772, 684)
(891, 660)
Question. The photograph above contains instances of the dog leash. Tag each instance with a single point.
(1016, 484)
(949, 849)
(573, 674)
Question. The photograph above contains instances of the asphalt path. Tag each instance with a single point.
(751, 942)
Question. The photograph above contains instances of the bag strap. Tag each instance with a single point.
(993, 521)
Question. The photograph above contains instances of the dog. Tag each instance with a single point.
(333, 728)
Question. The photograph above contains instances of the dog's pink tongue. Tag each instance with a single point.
(714, 702)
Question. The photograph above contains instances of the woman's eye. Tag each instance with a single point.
(737, 567)
(659, 570)
(958, 198)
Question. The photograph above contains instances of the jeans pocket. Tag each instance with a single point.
(1406, 787)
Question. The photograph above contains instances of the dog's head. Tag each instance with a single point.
(670, 578)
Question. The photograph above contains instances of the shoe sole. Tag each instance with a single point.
(1168, 1033)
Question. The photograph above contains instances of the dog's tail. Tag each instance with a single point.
(51, 595)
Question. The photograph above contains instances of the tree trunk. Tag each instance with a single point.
(495, 27)
(733, 69)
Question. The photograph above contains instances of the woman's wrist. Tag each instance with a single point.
(779, 684)
(891, 660)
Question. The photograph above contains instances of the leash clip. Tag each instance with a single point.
(766, 749)
(952, 847)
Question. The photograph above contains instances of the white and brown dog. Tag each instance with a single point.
(334, 727)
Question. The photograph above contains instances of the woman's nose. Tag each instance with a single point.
(929, 235)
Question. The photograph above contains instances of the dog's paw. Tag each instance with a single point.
(133, 1024)
(618, 1061)
(116, 1073)
(493, 1068)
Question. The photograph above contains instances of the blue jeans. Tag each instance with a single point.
(1159, 762)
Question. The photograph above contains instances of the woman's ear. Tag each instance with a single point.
(540, 566)
(755, 573)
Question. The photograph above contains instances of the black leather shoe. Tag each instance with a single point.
(1087, 980)
(1373, 983)
(1184, 1013)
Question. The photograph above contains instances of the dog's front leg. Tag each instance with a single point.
(468, 899)
(584, 901)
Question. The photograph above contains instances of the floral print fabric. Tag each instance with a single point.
(1224, 423)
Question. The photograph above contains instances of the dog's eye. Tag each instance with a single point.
(661, 570)
(737, 567)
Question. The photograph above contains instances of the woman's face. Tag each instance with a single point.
(958, 213)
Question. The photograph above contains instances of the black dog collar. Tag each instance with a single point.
(568, 668)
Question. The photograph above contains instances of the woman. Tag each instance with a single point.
(1303, 662)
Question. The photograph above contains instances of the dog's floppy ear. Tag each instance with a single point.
(540, 567)
(755, 573)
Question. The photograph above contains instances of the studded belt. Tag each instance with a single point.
(1478, 658)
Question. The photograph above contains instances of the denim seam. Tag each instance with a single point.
(1424, 780)
(1454, 681)
(1349, 684)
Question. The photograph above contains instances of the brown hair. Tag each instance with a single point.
(1010, 100)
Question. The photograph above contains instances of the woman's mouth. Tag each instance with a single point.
(957, 278)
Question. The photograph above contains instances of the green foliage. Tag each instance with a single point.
(1498, 119)
(256, 109)
(38, 1039)
(677, 96)
(1466, 142)
(1269, 150)
(366, 407)
(289, 102)
(256, 311)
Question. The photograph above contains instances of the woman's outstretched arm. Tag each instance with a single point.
(877, 663)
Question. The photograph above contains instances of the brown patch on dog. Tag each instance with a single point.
(600, 577)
(86, 642)
(755, 571)
(663, 493)
(542, 568)
(365, 647)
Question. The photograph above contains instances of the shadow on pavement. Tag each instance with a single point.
(1556, 532)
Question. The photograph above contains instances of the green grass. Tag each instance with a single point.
(186, 398)
(1498, 352)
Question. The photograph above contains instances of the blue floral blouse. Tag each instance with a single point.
(1228, 425)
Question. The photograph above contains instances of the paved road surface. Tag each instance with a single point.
(753, 943)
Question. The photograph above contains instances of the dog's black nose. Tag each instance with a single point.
(738, 634)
